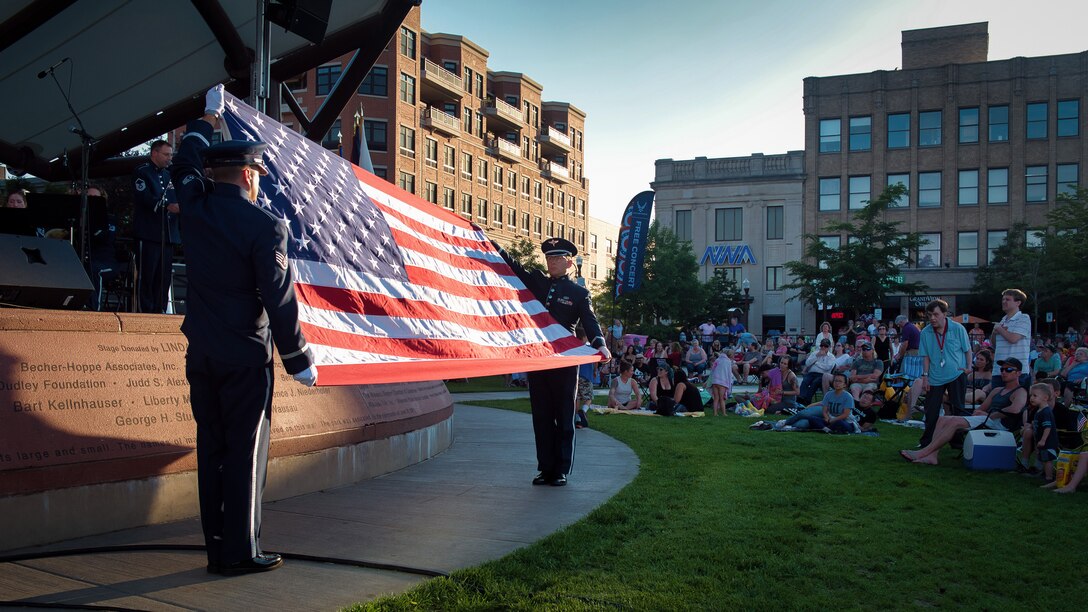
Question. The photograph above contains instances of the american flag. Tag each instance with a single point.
(393, 288)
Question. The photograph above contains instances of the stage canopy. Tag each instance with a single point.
(139, 68)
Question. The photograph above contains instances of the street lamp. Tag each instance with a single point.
(578, 263)
(747, 286)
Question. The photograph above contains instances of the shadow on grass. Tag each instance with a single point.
(722, 517)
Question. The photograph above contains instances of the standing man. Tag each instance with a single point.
(155, 221)
(946, 359)
(241, 300)
(1012, 336)
(552, 392)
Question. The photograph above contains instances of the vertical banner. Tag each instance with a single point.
(631, 246)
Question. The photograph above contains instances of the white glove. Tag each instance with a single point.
(213, 102)
(308, 376)
(605, 353)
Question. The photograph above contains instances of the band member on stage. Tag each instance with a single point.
(155, 222)
(552, 392)
(240, 301)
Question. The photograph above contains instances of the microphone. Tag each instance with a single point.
(48, 71)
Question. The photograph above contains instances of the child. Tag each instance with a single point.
(585, 394)
(721, 381)
(1043, 436)
(838, 406)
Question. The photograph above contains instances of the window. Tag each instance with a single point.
(376, 132)
(728, 224)
(467, 120)
(381, 172)
(929, 254)
(1036, 120)
(430, 192)
(512, 217)
(512, 100)
(1035, 184)
(1067, 179)
(608, 246)
(775, 278)
(969, 124)
(829, 193)
(1033, 238)
(479, 124)
(550, 199)
(832, 242)
(449, 157)
(537, 225)
(967, 249)
(447, 198)
(512, 182)
(997, 186)
(904, 180)
(525, 224)
(860, 192)
(899, 131)
(968, 193)
(481, 209)
(407, 182)
(929, 189)
(326, 78)
(466, 165)
(830, 135)
(861, 133)
(407, 88)
(732, 274)
(551, 228)
(407, 42)
(929, 129)
(296, 84)
(776, 221)
(430, 148)
(999, 124)
(481, 176)
(376, 82)
(468, 79)
(466, 203)
(496, 176)
(450, 65)
(538, 189)
(407, 141)
(525, 187)
(683, 225)
(561, 202)
(332, 137)
(1068, 118)
(994, 239)
(496, 214)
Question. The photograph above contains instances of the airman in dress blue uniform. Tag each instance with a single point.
(240, 301)
(155, 223)
(552, 392)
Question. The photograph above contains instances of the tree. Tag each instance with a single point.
(720, 295)
(1051, 273)
(525, 252)
(860, 274)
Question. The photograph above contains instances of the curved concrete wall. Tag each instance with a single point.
(96, 432)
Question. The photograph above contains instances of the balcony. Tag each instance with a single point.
(505, 113)
(553, 138)
(437, 83)
(440, 121)
(555, 172)
(501, 147)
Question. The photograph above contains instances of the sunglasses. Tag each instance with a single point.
(1009, 370)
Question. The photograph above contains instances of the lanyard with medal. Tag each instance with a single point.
(940, 342)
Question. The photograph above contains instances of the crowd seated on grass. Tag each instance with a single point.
(1074, 373)
(833, 413)
(819, 365)
(1001, 410)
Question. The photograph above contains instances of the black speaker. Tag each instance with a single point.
(307, 18)
(41, 273)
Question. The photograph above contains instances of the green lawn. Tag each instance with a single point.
(479, 385)
(722, 517)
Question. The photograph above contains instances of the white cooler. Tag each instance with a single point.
(989, 450)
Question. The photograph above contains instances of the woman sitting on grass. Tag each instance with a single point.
(978, 381)
(623, 393)
(1001, 411)
(686, 397)
(661, 391)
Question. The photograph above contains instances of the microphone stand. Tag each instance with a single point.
(163, 236)
(88, 143)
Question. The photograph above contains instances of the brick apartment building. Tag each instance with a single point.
(439, 123)
(979, 144)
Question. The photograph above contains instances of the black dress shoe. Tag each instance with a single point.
(559, 481)
(214, 568)
(542, 478)
(263, 562)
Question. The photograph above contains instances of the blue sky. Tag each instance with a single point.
(685, 78)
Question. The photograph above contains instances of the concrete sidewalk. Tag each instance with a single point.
(471, 504)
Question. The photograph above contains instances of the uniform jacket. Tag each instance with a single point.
(240, 295)
(149, 183)
(567, 301)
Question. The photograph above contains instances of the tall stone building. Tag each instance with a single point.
(441, 124)
(979, 144)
